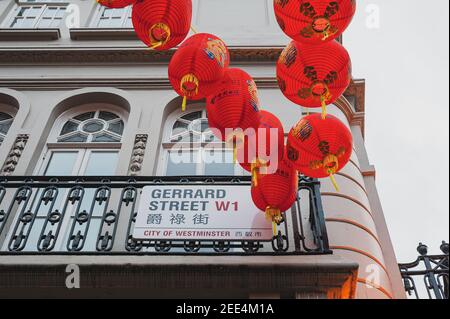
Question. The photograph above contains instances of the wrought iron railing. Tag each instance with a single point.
(427, 277)
(96, 215)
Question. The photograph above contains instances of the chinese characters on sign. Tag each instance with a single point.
(199, 213)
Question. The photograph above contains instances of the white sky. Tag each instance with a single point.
(405, 63)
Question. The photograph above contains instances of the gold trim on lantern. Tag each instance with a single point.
(274, 214)
(188, 78)
(256, 166)
(159, 42)
(324, 96)
(318, 29)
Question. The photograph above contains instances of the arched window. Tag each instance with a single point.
(6, 121)
(84, 141)
(190, 148)
(98, 126)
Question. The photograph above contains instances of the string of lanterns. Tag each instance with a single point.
(313, 71)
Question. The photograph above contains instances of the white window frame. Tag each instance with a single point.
(98, 15)
(11, 111)
(43, 5)
(52, 140)
(199, 147)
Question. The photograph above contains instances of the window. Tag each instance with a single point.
(43, 14)
(113, 18)
(6, 121)
(95, 126)
(84, 141)
(192, 149)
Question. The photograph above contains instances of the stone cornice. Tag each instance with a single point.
(121, 55)
(356, 89)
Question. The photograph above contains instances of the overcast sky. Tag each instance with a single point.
(405, 63)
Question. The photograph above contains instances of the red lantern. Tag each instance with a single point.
(314, 21)
(265, 150)
(115, 4)
(276, 193)
(198, 67)
(319, 148)
(162, 24)
(234, 106)
(314, 76)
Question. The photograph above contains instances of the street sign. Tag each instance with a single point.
(191, 212)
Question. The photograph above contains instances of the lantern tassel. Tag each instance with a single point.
(324, 107)
(234, 153)
(183, 105)
(156, 45)
(274, 228)
(335, 184)
(254, 175)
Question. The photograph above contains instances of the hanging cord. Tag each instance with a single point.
(331, 165)
(189, 87)
(324, 106)
(193, 29)
(333, 180)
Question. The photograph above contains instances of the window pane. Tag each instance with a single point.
(192, 116)
(182, 163)
(101, 164)
(104, 23)
(104, 138)
(107, 116)
(179, 127)
(49, 12)
(85, 116)
(61, 164)
(218, 163)
(93, 127)
(4, 126)
(69, 127)
(44, 23)
(116, 127)
(77, 138)
(33, 12)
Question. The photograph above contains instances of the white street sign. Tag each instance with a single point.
(190, 212)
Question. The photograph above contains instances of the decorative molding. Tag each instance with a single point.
(357, 89)
(29, 34)
(14, 155)
(140, 144)
(103, 34)
(129, 55)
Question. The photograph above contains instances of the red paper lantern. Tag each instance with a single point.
(318, 147)
(115, 4)
(162, 24)
(276, 193)
(259, 152)
(198, 67)
(234, 106)
(314, 21)
(314, 76)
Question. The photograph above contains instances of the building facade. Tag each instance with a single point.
(88, 116)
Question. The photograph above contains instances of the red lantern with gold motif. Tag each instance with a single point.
(198, 67)
(235, 106)
(314, 21)
(262, 152)
(314, 76)
(276, 193)
(319, 147)
(116, 4)
(162, 24)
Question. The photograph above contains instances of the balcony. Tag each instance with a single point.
(96, 216)
(428, 276)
